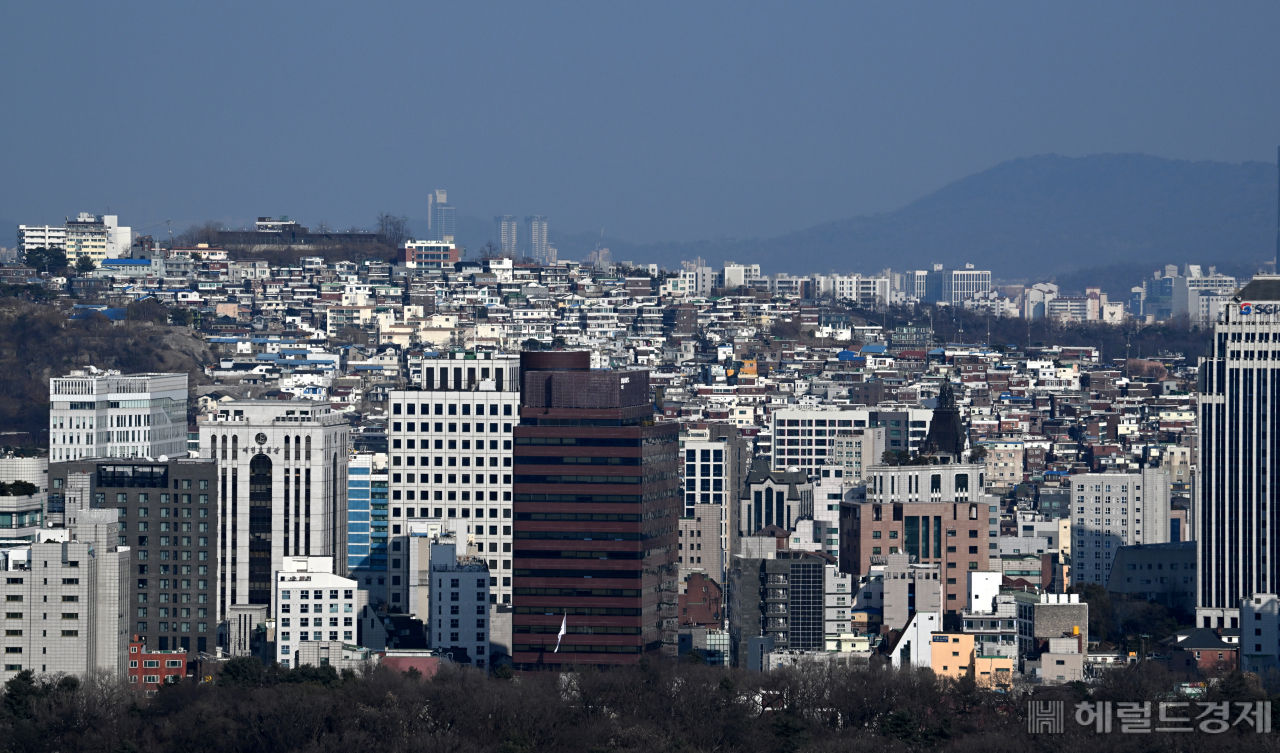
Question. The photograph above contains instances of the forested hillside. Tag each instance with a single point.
(38, 342)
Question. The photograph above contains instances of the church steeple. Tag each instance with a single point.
(946, 434)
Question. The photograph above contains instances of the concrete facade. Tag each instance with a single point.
(282, 489)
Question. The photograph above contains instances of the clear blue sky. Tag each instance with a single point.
(655, 120)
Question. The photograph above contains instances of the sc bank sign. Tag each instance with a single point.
(1247, 309)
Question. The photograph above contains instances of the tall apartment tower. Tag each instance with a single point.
(450, 452)
(1237, 541)
(95, 413)
(597, 505)
(443, 222)
(40, 236)
(282, 489)
(507, 230)
(535, 232)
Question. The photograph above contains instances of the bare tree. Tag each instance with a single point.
(395, 229)
(197, 234)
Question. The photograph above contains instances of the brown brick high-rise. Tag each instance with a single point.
(596, 510)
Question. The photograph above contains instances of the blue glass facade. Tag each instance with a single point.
(367, 526)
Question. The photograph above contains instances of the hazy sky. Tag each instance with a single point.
(655, 120)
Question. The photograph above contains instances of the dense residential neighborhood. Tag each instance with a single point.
(831, 476)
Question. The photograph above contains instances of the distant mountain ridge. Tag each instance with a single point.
(1027, 218)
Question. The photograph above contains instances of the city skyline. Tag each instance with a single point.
(881, 107)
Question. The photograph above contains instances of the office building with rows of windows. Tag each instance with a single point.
(807, 437)
(450, 453)
(597, 505)
(65, 602)
(312, 605)
(367, 525)
(281, 490)
(95, 413)
(1236, 536)
(169, 518)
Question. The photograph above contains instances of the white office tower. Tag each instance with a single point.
(66, 601)
(459, 599)
(95, 413)
(282, 489)
(1111, 510)
(1237, 538)
(449, 446)
(314, 608)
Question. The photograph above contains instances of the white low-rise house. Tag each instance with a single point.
(312, 604)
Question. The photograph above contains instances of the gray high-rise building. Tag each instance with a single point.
(168, 517)
(535, 233)
(1238, 542)
(442, 222)
(507, 230)
(66, 600)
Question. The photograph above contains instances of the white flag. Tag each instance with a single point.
(564, 624)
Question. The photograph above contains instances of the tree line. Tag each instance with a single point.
(655, 706)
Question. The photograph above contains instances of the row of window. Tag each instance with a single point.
(452, 444)
(442, 409)
(143, 526)
(18, 634)
(451, 462)
(316, 635)
(185, 627)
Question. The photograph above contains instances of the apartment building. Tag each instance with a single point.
(1112, 510)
